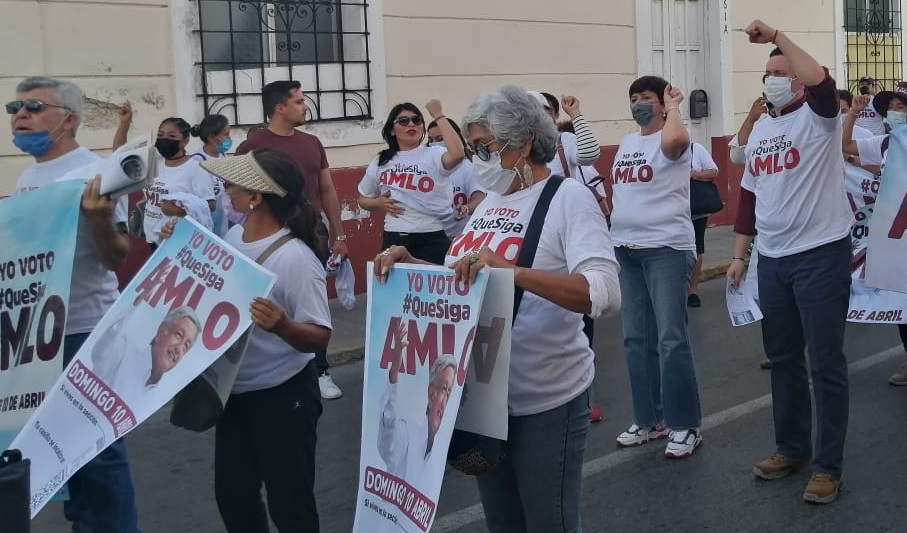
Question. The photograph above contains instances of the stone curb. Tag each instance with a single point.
(349, 353)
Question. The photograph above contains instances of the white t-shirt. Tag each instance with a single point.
(300, 289)
(861, 133)
(550, 359)
(419, 183)
(651, 195)
(463, 182)
(871, 120)
(94, 288)
(870, 149)
(702, 160)
(795, 169)
(187, 178)
(218, 216)
(568, 141)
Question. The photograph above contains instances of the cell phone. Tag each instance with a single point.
(768, 105)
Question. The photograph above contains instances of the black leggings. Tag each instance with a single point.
(431, 247)
(268, 437)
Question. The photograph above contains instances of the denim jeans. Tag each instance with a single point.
(536, 488)
(101, 495)
(653, 286)
(804, 298)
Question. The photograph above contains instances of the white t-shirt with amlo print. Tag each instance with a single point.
(551, 362)
(795, 169)
(419, 183)
(651, 195)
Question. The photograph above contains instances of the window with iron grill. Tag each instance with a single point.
(246, 44)
(873, 30)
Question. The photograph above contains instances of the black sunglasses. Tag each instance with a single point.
(481, 150)
(31, 105)
(416, 120)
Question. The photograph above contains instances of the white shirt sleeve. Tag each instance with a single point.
(870, 150)
(702, 160)
(368, 185)
(737, 153)
(200, 183)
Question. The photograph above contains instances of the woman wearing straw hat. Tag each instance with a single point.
(267, 434)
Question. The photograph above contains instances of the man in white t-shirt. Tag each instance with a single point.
(870, 118)
(408, 446)
(134, 369)
(44, 118)
(793, 194)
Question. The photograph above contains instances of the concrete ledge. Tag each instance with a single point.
(714, 270)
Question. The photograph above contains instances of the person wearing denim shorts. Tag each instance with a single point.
(653, 235)
(536, 488)
(101, 494)
(793, 195)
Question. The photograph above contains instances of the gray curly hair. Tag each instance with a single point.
(512, 116)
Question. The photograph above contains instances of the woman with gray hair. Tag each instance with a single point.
(536, 488)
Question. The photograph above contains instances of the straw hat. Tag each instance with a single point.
(244, 171)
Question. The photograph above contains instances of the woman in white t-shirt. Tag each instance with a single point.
(653, 235)
(267, 434)
(214, 132)
(179, 176)
(702, 168)
(537, 486)
(466, 192)
(411, 182)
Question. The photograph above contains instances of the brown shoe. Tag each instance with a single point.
(823, 488)
(778, 466)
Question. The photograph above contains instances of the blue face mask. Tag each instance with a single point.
(438, 143)
(643, 113)
(224, 146)
(33, 143)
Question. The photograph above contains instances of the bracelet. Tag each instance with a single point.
(740, 258)
(439, 117)
(674, 108)
(774, 36)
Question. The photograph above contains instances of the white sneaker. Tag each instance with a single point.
(637, 436)
(329, 389)
(683, 443)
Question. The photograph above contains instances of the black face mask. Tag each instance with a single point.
(167, 147)
(864, 90)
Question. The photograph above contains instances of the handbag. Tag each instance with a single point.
(15, 492)
(472, 453)
(200, 404)
(704, 198)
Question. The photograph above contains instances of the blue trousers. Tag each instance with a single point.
(804, 298)
(101, 495)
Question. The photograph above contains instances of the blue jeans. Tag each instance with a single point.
(101, 496)
(653, 287)
(536, 488)
(804, 298)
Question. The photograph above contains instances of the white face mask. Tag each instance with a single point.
(491, 176)
(778, 91)
(896, 118)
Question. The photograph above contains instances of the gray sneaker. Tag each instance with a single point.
(899, 378)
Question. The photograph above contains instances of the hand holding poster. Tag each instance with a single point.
(35, 277)
(184, 308)
(420, 328)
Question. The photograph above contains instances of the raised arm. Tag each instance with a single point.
(674, 136)
(588, 149)
(803, 66)
(848, 145)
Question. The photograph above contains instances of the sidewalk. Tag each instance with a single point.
(348, 338)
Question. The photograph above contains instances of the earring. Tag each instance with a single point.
(527, 174)
(251, 206)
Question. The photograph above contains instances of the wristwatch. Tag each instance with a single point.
(341, 238)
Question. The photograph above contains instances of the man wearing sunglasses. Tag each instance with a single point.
(44, 118)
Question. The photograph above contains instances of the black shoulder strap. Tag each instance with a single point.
(285, 238)
(533, 232)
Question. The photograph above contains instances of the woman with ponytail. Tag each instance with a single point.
(214, 132)
(267, 434)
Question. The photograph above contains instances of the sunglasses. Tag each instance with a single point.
(30, 105)
(415, 120)
(481, 150)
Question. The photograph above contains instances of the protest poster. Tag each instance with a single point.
(885, 265)
(483, 407)
(420, 324)
(38, 232)
(868, 304)
(182, 310)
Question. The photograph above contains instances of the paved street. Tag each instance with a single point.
(624, 489)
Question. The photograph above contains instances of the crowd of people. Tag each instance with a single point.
(637, 253)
